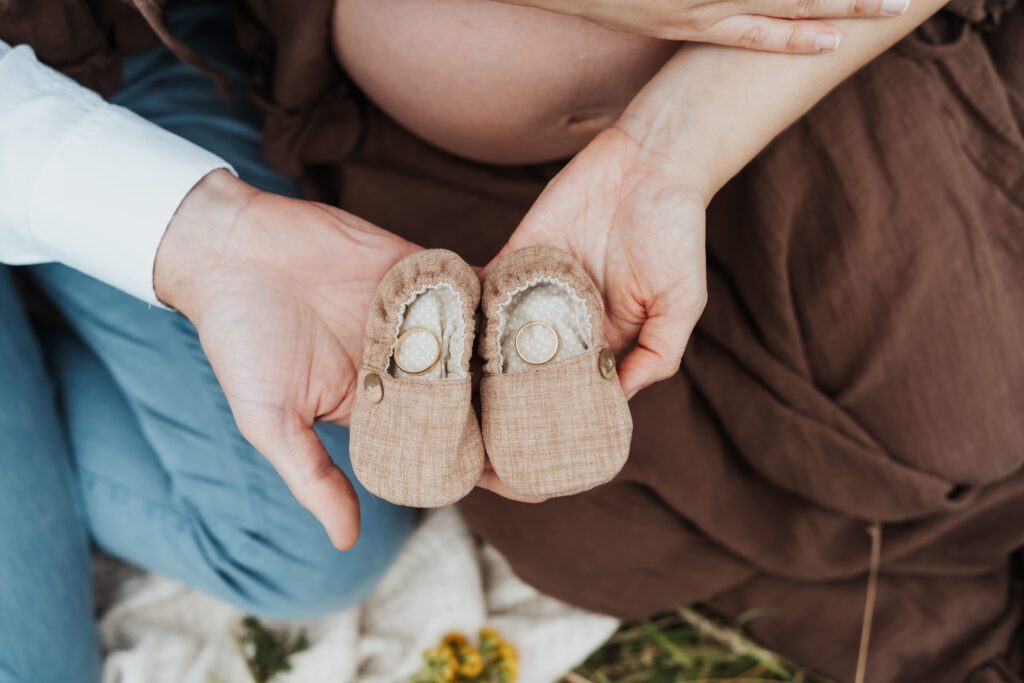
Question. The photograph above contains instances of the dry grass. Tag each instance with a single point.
(688, 646)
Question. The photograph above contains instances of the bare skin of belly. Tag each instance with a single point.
(493, 82)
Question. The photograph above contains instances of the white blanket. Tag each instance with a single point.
(160, 631)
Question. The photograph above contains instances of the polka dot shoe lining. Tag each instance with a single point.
(436, 309)
(554, 303)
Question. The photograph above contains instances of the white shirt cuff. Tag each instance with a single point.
(106, 195)
(84, 182)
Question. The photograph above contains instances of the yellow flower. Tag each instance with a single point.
(454, 640)
(457, 660)
(467, 657)
(509, 672)
(442, 664)
(489, 633)
(471, 664)
(508, 662)
(507, 652)
(490, 641)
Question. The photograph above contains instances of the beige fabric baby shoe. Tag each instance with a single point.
(555, 420)
(415, 439)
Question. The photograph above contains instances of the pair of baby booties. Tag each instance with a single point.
(554, 419)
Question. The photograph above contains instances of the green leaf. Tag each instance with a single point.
(266, 652)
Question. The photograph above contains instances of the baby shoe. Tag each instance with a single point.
(555, 420)
(415, 439)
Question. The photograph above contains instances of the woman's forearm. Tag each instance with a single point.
(787, 26)
(711, 109)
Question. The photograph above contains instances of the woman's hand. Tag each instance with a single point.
(636, 223)
(769, 25)
(279, 289)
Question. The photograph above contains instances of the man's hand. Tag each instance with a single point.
(637, 226)
(279, 289)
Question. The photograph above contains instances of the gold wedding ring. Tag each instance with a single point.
(437, 351)
(536, 324)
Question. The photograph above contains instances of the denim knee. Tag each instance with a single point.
(276, 582)
(327, 582)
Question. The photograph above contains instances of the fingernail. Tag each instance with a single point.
(827, 42)
(894, 8)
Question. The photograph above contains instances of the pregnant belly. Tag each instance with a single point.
(489, 81)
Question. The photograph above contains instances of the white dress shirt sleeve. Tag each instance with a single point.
(84, 182)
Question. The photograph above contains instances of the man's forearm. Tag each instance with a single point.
(712, 109)
(84, 182)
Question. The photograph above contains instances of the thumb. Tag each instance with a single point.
(315, 481)
(658, 351)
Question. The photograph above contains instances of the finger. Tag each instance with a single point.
(489, 480)
(316, 482)
(825, 9)
(774, 35)
(658, 352)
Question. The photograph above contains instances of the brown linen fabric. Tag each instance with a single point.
(552, 430)
(861, 358)
(418, 446)
(558, 430)
(416, 442)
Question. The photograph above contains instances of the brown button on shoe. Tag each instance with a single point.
(415, 439)
(555, 420)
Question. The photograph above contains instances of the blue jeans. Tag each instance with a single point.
(116, 433)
